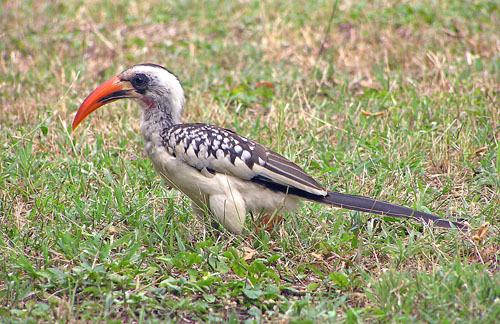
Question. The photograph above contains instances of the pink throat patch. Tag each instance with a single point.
(148, 102)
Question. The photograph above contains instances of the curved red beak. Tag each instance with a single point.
(109, 91)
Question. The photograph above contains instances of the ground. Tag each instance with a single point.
(390, 99)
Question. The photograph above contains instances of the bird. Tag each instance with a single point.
(223, 173)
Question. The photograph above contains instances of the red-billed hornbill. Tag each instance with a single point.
(222, 172)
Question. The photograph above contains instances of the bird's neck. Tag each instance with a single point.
(158, 118)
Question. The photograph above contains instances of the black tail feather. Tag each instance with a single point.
(373, 206)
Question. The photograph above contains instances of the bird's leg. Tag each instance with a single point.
(269, 222)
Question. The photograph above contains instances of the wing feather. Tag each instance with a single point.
(223, 151)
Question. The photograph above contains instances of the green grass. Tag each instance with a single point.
(88, 233)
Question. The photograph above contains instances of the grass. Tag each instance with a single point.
(401, 104)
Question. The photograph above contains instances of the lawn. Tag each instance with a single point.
(393, 100)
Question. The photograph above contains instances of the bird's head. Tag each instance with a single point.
(153, 86)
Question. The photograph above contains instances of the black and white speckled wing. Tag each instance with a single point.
(217, 150)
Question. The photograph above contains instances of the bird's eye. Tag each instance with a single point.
(139, 81)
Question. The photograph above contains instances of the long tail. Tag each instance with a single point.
(373, 206)
(363, 204)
